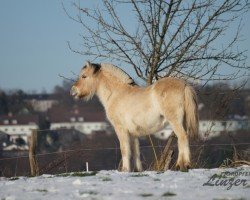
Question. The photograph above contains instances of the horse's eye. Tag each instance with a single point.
(83, 76)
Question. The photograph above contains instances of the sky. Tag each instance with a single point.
(33, 44)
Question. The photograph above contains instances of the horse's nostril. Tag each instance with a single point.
(73, 91)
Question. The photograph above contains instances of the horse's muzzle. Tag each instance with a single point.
(74, 91)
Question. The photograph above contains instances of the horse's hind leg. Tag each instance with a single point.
(173, 111)
(136, 153)
(183, 161)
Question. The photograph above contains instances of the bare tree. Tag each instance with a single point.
(166, 38)
(191, 39)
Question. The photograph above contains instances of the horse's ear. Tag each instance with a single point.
(96, 68)
(88, 64)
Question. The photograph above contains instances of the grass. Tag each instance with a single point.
(14, 178)
(41, 190)
(78, 174)
(146, 195)
(168, 194)
(106, 179)
(89, 192)
(139, 175)
(81, 174)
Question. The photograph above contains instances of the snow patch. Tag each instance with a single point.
(112, 185)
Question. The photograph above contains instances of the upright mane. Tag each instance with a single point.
(118, 73)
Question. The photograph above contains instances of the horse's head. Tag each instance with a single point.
(86, 85)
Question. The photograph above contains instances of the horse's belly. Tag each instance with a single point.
(146, 123)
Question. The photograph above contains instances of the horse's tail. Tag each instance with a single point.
(191, 112)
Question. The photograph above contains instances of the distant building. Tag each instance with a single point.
(18, 127)
(210, 128)
(213, 128)
(83, 120)
(41, 102)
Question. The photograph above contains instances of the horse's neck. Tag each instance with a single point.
(103, 94)
(106, 90)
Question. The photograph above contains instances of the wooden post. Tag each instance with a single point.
(168, 160)
(34, 170)
(167, 153)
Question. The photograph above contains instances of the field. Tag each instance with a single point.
(217, 184)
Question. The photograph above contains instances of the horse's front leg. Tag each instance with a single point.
(136, 153)
(124, 140)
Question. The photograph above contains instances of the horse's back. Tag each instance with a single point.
(169, 84)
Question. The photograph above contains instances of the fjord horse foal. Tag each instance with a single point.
(138, 111)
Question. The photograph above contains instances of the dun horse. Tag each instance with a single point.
(138, 111)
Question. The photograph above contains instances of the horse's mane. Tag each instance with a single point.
(118, 73)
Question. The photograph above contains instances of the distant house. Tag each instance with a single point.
(213, 128)
(81, 119)
(41, 102)
(210, 128)
(18, 127)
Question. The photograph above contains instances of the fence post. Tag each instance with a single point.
(34, 170)
(87, 167)
(167, 153)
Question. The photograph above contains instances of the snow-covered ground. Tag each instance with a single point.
(117, 185)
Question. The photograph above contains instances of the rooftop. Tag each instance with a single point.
(76, 114)
(24, 119)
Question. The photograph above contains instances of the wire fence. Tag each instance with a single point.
(116, 148)
(101, 152)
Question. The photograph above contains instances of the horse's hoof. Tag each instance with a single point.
(125, 169)
(138, 170)
(183, 167)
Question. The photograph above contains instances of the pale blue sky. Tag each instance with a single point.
(33, 49)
